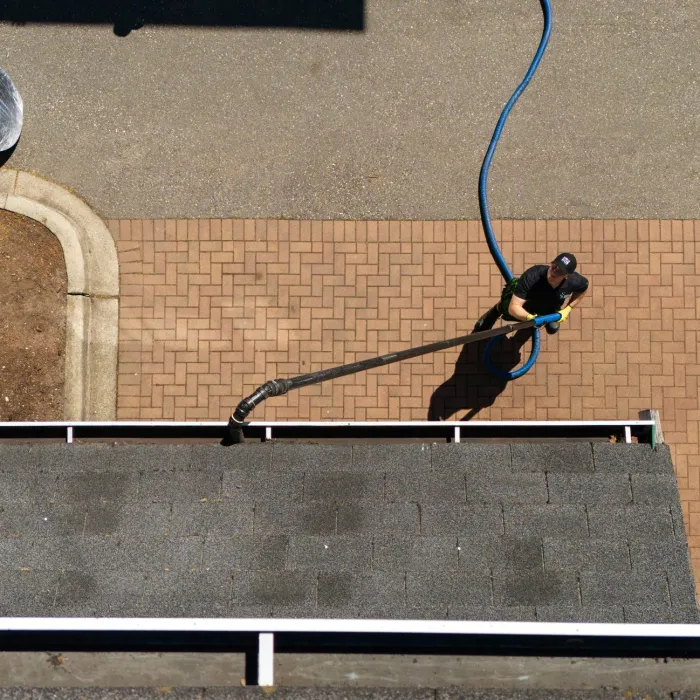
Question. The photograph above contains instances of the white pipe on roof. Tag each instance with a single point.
(272, 625)
(330, 424)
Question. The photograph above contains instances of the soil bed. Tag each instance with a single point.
(33, 287)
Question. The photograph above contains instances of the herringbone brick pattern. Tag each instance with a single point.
(211, 309)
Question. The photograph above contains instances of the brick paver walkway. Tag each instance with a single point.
(210, 309)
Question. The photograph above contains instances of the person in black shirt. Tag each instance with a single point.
(540, 290)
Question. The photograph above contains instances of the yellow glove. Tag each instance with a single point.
(564, 313)
(530, 317)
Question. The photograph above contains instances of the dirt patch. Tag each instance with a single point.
(33, 286)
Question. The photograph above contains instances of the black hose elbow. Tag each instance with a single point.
(275, 387)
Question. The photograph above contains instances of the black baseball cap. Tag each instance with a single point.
(566, 262)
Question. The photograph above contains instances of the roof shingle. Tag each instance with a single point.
(561, 531)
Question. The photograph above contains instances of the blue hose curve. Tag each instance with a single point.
(517, 372)
(483, 198)
(541, 320)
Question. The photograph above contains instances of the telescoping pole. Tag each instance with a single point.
(278, 387)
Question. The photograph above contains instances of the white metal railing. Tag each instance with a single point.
(569, 638)
(455, 431)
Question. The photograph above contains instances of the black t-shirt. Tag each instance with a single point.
(540, 297)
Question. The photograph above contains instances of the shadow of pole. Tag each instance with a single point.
(472, 387)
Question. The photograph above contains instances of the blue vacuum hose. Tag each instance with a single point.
(483, 198)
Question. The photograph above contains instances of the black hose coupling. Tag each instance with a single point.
(275, 387)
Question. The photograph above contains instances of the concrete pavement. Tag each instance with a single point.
(391, 122)
(351, 673)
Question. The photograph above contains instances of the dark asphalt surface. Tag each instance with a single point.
(388, 122)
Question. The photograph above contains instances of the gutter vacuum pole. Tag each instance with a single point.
(278, 387)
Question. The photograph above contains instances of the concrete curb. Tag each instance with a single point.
(93, 290)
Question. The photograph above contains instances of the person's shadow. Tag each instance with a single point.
(472, 387)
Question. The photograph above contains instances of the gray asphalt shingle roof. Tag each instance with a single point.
(561, 531)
